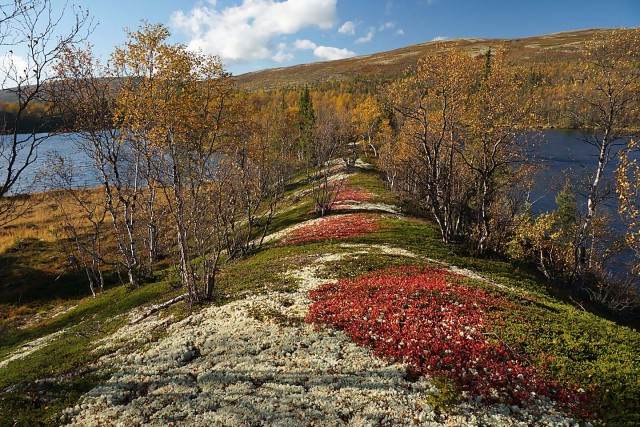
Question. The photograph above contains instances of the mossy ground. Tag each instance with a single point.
(577, 346)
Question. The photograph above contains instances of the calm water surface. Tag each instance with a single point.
(562, 155)
(561, 152)
(34, 178)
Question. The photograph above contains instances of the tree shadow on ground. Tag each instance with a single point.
(34, 271)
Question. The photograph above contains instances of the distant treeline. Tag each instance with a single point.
(37, 118)
(551, 78)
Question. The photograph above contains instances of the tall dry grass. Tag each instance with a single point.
(42, 218)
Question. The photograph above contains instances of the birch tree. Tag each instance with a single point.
(431, 105)
(628, 190)
(34, 35)
(87, 94)
(367, 117)
(183, 115)
(495, 143)
(605, 105)
(263, 155)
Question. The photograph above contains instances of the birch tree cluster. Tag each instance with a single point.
(187, 171)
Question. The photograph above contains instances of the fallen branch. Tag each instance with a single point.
(577, 303)
(156, 308)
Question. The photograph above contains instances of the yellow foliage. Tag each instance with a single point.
(628, 188)
(544, 242)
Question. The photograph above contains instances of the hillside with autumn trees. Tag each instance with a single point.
(344, 243)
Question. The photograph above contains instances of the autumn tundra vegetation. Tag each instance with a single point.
(196, 174)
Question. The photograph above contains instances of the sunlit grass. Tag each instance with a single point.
(41, 217)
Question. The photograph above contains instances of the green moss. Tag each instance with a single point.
(100, 310)
(31, 272)
(372, 180)
(272, 315)
(42, 403)
(356, 265)
(447, 396)
(581, 349)
(575, 346)
(261, 272)
(292, 214)
(35, 389)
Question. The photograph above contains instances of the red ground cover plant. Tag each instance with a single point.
(333, 227)
(439, 328)
(352, 194)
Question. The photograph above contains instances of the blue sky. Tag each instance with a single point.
(256, 34)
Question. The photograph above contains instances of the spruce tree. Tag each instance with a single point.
(306, 123)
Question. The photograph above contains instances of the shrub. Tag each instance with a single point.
(441, 329)
(333, 227)
(352, 194)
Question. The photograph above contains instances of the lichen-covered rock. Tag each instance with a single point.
(229, 366)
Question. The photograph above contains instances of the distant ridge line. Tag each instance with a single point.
(554, 47)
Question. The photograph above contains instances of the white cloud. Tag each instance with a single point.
(13, 69)
(304, 44)
(388, 8)
(331, 53)
(367, 38)
(323, 52)
(247, 31)
(348, 28)
(387, 26)
(439, 38)
(282, 55)
(399, 32)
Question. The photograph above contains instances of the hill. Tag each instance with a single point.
(319, 328)
(549, 48)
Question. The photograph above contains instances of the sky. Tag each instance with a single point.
(250, 35)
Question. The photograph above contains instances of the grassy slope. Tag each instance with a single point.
(538, 49)
(549, 48)
(581, 347)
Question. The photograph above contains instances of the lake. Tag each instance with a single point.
(562, 152)
(565, 154)
(32, 180)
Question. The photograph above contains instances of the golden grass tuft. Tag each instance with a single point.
(42, 219)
